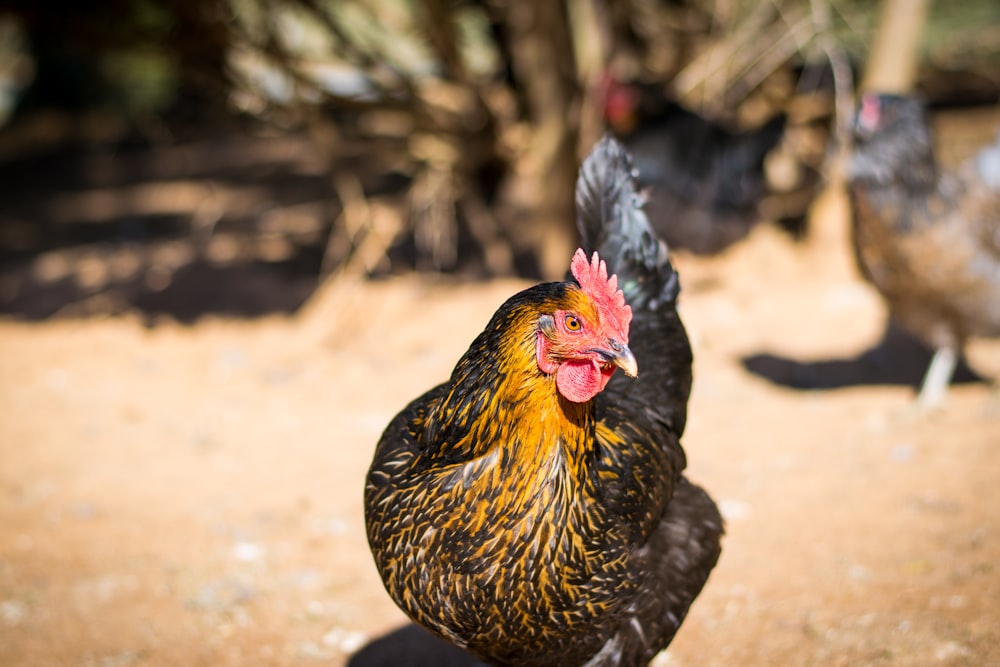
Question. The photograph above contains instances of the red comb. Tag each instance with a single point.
(610, 301)
(870, 111)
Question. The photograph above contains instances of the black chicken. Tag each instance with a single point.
(532, 508)
(703, 181)
(927, 238)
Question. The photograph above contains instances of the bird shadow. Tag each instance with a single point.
(896, 359)
(411, 646)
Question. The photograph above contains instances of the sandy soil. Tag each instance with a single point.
(191, 495)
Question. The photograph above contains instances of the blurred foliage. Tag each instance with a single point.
(477, 111)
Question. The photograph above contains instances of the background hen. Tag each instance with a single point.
(927, 238)
(704, 182)
(533, 525)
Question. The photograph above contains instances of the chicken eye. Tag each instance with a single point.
(572, 323)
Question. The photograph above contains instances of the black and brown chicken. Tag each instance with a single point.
(704, 182)
(532, 509)
(927, 238)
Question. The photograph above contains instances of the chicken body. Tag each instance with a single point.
(704, 182)
(531, 529)
(928, 240)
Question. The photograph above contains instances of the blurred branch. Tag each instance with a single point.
(843, 77)
(783, 42)
(438, 25)
(362, 234)
(370, 62)
(346, 228)
(541, 52)
(592, 44)
(711, 69)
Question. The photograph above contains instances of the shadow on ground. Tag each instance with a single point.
(411, 646)
(229, 221)
(897, 359)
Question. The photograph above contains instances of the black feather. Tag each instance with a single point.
(704, 182)
(611, 220)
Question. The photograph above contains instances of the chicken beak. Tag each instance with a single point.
(625, 360)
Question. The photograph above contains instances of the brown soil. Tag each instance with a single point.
(191, 495)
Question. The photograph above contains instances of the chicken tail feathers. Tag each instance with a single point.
(611, 220)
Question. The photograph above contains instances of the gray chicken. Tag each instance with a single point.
(927, 238)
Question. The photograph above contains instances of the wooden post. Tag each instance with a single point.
(895, 54)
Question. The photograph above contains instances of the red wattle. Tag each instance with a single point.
(580, 381)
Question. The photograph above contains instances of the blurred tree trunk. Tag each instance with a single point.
(895, 55)
(201, 39)
(540, 50)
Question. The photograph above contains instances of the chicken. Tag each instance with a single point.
(926, 238)
(532, 509)
(704, 182)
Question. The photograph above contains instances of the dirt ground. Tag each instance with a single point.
(191, 495)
